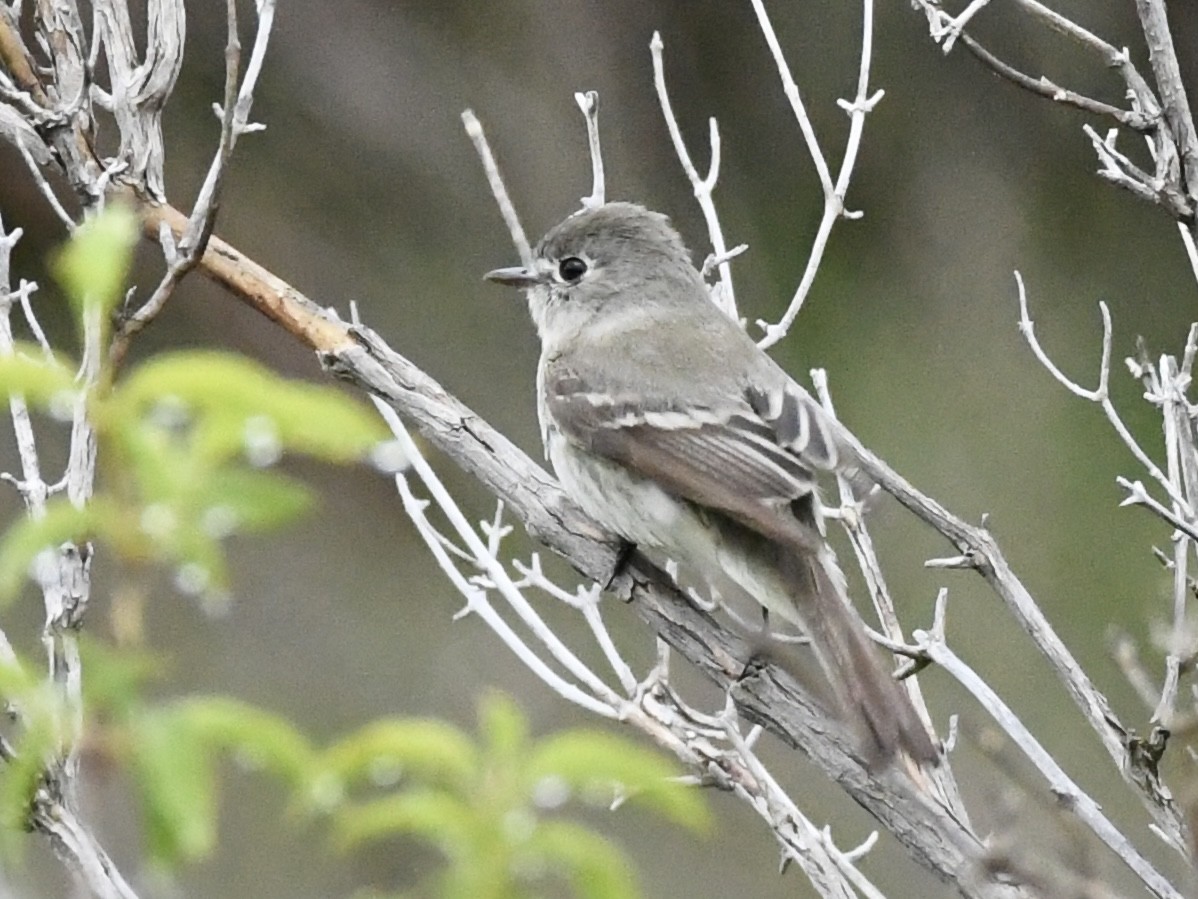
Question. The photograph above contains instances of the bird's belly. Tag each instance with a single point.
(631, 506)
(642, 512)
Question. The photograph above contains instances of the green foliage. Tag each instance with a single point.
(184, 439)
(431, 750)
(35, 706)
(486, 807)
(591, 762)
(173, 754)
(94, 266)
(175, 774)
(46, 384)
(172, 750)
(231, 396)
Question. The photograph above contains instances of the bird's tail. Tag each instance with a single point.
(873, 700)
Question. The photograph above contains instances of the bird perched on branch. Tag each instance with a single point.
(671, 427)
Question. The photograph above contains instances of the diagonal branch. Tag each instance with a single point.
(768, 696)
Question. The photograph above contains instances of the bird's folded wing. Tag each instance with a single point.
(751, 458)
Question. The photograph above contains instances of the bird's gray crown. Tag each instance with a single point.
(627, 229)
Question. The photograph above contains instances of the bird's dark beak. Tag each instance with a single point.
(514, 277)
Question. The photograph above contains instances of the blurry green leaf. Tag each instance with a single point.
(173, 769)
(503, 725)
(383, 749)
(162, 464)
(15, 680)
(591, 759)
(442, 819)
(21, 776)
(45, 384)
(115, 676)
(201, 568)
(595, 868)
(28, 537)
(94, 265)
(240, 406)
(237, 500)
(37, 739)
(257, 737)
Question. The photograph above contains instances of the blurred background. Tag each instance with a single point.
(365, 189)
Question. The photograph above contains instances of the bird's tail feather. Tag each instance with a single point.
(873, 700)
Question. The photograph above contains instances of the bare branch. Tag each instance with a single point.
(234, 115)
(600, 699)
(44, 188)
(791, 89)
(1174, 103)
(1044, 87)
(1066, 791)
(589, 104)
(1101, 394)
(834, 195)
(724, 294)
(1122, 172)
(77, 849)
(474, 130)
(978, 547)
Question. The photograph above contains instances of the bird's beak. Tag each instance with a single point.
(517, 276)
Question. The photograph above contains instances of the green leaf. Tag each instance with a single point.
(94, 265)
(173, 768)
(595, 867)
(259, 738)
(237, 404)
(427, 749)
(198, 559)
(443, 820)
(37, 739)
(503, 726)
(162, 464)
(115, 676)
(592, 760)
(238, 500)
(46, 384)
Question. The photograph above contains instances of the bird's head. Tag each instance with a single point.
(602, 262)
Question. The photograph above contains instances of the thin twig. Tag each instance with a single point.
(183, 255)
(1044, 87)
(791, 89)
(46, 190)
(834, 194)
(600, 699)
(1101, 394)
(589, 104)
(32, 486)
(703, 186)
(831, 872)
(474, 130)
(1067, 792)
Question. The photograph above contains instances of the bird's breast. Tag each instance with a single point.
(631, 506)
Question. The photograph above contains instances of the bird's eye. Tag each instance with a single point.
(571, 268)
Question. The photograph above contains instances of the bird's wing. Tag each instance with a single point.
(749, 457)
(754, 459)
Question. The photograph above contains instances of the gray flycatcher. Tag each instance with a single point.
(672, 428)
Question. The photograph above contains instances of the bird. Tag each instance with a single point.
(673, 429)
